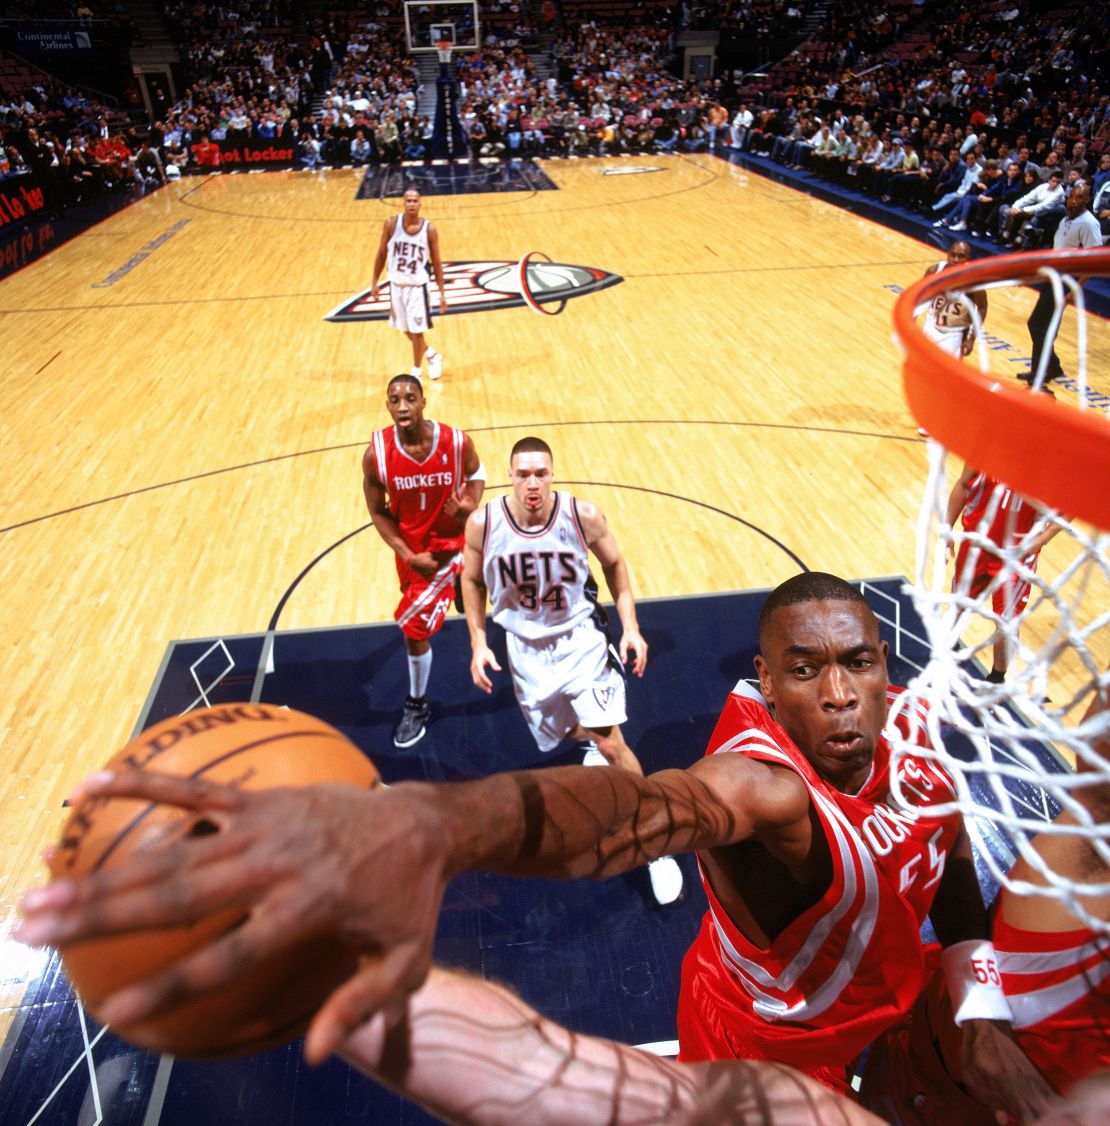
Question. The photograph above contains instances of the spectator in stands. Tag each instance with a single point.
(1102, 175)
(665, 135)
(868, 161)
(716, 124)
(909, 168)
(16, 165)
(361, 150)
(879, 174)
(388, 139)
(1004, 189)
(206, 153)
(1040, 229)
(1078, 163)
(789, 148)
(742, 122)
(958, 214)
(970, 177)
(1100, 205)
(308, 151)
(847, 150)
(1050, 164)
(1040, 198)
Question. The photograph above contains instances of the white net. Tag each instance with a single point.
(1015, 599)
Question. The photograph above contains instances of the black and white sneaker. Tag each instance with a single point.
(413, 723)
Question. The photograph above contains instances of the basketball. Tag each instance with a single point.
(253, 746)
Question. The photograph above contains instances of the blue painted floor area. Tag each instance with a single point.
(30, 242)
(599, 957)
(1097, 291)
(455, 177)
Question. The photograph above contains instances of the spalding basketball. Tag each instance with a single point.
(253, 746)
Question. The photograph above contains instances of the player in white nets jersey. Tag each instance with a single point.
(411, 244)
(949, 322)
(530, 552)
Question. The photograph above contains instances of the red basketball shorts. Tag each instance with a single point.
(425, 601)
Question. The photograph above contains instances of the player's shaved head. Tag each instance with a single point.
(822, 670)
(405, 377)
(810, 586)
(531, 446)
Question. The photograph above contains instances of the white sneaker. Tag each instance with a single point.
(666, 880)
(959, 227)
(593, 757)
(435, 366)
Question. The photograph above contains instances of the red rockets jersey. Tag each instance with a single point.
(418, 490)
(1058, 986)
(1013, 516)
(852, 964)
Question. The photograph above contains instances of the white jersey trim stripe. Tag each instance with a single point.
(445, 574)
(1019, 962)
(852, 853)
(379, 459)
(1039, 1004)
(457, 450)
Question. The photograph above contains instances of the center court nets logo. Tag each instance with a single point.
(473, 287)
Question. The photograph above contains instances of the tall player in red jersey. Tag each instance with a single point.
(818, 885)
(1004, 518)
(421, 480)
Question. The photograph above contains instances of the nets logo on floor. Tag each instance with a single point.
(474, 287)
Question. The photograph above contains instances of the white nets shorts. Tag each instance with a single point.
(570, 679)
(410, 309)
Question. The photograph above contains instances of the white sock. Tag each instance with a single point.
(431, 353)
(415, 373)
(420, 669)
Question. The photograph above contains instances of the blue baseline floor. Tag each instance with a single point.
(455, 177)
(599, 957)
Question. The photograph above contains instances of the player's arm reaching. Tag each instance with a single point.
(437, 267)
(980, 300)
(372, 866)
(603, 544)
(958, 497)
(474, 603)
(472, 1051)
(461, 505)
(992, 1066)
(379, 258)
(422, 562)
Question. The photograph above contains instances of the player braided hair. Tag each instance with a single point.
(810, 586)
(532, 446)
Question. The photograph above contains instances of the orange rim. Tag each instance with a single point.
(526, 293)
(1048, 450)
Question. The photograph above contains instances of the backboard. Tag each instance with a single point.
(428, 22)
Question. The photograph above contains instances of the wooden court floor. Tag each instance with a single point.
(182, 429)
